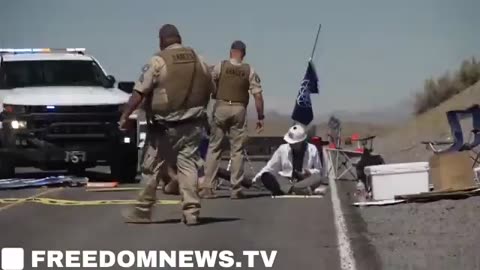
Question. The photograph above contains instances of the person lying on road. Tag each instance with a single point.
(168, 176)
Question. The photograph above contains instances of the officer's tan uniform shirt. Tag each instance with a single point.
(155, 73)
(255, 83)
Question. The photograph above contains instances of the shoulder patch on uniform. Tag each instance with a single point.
(145, 68)
(257, 78)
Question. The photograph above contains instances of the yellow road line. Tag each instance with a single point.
(60, 202)
(48, 191)
(297, 196)
(115, 189)
(112, 189)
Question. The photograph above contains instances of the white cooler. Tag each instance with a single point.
(390, 180)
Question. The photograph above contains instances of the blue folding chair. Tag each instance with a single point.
(474, 111)
(458, 143)
(456, 132)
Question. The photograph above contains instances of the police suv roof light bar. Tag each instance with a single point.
(42, 50)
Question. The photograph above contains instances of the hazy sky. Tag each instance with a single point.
(368, 50)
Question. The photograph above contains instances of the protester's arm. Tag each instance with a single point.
(273, 165)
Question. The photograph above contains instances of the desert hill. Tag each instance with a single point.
(402, 144)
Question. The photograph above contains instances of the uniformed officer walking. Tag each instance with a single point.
(176, 86)
(234, 79)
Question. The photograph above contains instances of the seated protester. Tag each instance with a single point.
(294, 168)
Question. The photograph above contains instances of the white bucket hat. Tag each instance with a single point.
(295, 134)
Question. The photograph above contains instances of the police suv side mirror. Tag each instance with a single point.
(110, 81)
(126, 87)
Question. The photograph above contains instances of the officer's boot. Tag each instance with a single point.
(190, 220)
(137, 215)
(207, 193)
(142, 212)
(190, 216)
(237, 194)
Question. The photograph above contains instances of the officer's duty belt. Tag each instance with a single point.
(173, 124)
(231, 102)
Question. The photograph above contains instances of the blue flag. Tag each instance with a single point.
(303, 112)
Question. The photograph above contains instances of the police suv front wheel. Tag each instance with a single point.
(7, 168)
(123, 166)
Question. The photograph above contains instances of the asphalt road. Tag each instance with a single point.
(302, 231)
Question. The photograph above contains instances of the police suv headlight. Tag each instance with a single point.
(18, 124)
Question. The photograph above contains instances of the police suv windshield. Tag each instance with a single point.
(17, 74)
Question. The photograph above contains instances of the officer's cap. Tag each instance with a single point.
(169, 30)
(239, 45)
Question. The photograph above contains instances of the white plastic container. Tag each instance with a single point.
(390, 180)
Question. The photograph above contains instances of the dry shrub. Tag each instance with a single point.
(437, 91)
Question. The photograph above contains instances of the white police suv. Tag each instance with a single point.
(60, 110)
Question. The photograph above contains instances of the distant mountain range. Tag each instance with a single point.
(399, 112)
(374, 122)
(387, 115)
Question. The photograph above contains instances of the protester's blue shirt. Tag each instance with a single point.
(203, 147)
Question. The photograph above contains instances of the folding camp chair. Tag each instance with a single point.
(475, 113)
(366, 143)
(458, 143)
(320, 144)
(456, 132)
(344, 161)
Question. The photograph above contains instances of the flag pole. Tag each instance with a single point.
(311, 56)
(316, 40)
